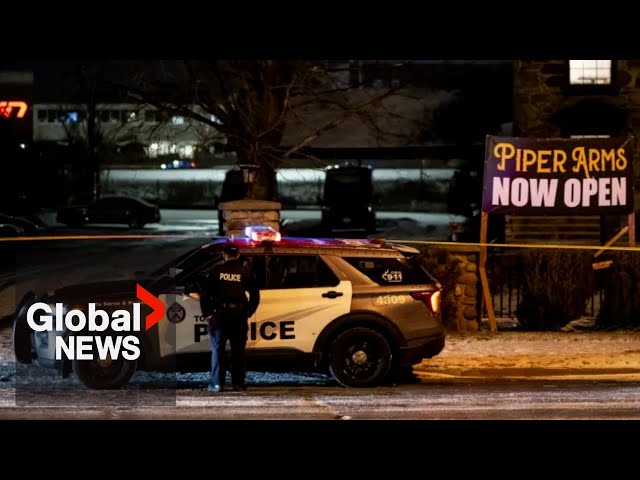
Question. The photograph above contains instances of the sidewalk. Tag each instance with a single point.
(587, 355)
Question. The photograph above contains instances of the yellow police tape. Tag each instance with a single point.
(420, 242)
(96, 237)
(520, 245)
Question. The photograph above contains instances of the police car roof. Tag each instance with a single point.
(377, 244)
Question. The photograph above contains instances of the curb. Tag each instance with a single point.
(533, 374)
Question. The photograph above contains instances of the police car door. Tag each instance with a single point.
(183, 328)
(301, 297)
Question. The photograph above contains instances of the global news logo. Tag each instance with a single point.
(122, 326)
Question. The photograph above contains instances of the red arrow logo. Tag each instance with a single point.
(154, 302)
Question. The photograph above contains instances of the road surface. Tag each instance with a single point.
(288, 401)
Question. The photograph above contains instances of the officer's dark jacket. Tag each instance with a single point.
(227, 283)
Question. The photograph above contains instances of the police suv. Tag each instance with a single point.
(362, 310)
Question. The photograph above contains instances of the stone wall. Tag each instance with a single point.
(466, 292)
(456, 267)
(239, 214)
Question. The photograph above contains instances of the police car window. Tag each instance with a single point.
(189, 263)
(298, 271)
(258, 264)
(391, 271)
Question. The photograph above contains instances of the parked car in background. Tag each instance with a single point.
(131, 211)
(8, 230)
(30, 228)
(348, 201)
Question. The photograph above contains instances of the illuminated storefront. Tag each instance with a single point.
(16, 94)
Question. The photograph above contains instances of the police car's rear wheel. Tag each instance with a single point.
(105, 374)
(360, 357)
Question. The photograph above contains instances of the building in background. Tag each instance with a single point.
(439, 119)
(16, 97)
(129, 133)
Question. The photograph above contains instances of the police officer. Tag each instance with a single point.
(227, 309)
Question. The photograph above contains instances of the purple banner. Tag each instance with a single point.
(531, 176)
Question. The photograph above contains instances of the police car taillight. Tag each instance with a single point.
(430, 298)
(260, 233)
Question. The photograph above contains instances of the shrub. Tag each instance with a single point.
(621, 302)
(557, 284)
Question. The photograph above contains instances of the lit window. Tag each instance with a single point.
(163, 148)
(186, 151)
(153, 150)
(177, 120)
(590, 72)
(128, 116)
(158, 149)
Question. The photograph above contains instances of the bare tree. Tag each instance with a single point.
(251, 102)
(89, 134)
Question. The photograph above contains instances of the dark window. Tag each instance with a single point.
(258, 264)
(391, 271)
(344, 186)
(298, 271)
(104, 115)
(42, 115)
(110, 203)
(52, 116)
(190, 262)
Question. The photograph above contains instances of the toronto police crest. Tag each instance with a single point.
(175, 313)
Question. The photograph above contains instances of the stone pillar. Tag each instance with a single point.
(456, 266)
(466, 293)
(238, 214)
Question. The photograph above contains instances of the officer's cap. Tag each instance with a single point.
(231, 250)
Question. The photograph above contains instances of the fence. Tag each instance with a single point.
(506, 275)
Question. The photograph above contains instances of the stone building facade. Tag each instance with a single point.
(548, 104)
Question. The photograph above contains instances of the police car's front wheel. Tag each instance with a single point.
(360, 357)
(107, 374)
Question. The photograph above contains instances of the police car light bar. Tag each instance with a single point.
(262, 233)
